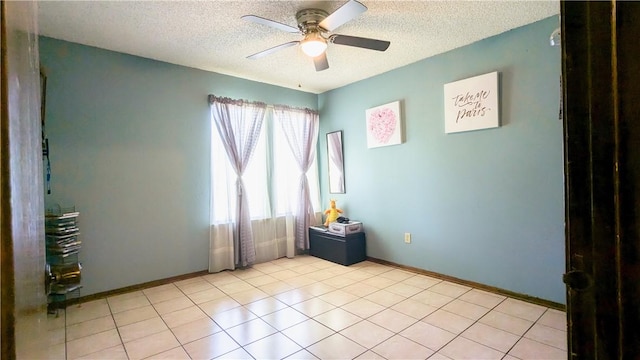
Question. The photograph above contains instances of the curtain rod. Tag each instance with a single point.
(268, 106)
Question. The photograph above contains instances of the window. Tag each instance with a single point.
(271, 178)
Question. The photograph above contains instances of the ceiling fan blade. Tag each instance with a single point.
(321, 62)
(272, 50)
(273, 24)
(360, 42)
(346, 12)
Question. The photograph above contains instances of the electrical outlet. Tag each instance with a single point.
(407, 238)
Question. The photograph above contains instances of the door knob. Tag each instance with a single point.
(577, 280)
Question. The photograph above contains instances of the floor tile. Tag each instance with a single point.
(221, 278)
(218, 305)
(313, 307)
(466, 309)
(421, 281)
(113, 353)
(249, 296)
(195, 330)
(363, 308)
(294, 296)
(285, 318)
(268, 268)
(261, 280)
(284, 274)
(206, 295)
(122, 304)
(448, 321)
(233, 317)
(92, 343)
(555, 319)
(414, 308)
(521, 309)
(403, 289)
(141, 329)
(301, 355)
(183, 316)
(377, 269)
(506, 322)
(309, 308)
(89, 327)
(385, 298)
(527, 349)
(299, 281)
(439, 356)
(246, 274)
(177, 353)
(211, 346)
(358, 275)
(237, 354)
(482, 298)
(275, 288)
(392, 320)
(151, 345)
(276, 346)
(308, 332)
(135, 315)
(428, 335)
(359, 289)
(367, 333)
(235, 287)
(432, 298)
(378, 282)
(339, 281)
(449, 289)
(87, 311)
(399, 347)
(338, 297)
(174, 304)
(164, 295)
(265, 306)
(318, 288)
(337, 319)
(548, 335)
(494, 338)
(461, 348)
(397, 275)
(336, 347)
(250, 331)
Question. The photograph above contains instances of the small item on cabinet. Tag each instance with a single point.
(344, 229)
(332, 212)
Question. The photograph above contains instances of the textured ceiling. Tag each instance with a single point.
(210, 35)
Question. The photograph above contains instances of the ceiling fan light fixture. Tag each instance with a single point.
(313, 44)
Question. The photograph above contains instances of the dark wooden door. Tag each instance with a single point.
(601, 77)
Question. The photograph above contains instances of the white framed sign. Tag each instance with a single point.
(472, 104)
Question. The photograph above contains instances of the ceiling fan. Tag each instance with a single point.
(314, 25)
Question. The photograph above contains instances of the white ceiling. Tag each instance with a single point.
(210, 35)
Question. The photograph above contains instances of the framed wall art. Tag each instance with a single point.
(384, 125)
(472, 104)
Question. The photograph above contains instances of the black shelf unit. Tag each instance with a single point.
(62, 255)
(344, 250)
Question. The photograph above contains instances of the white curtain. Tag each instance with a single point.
(300, 127)
(239, 124)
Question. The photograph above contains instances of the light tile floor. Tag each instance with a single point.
(308, 308)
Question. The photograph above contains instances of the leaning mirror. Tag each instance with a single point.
(336, 162)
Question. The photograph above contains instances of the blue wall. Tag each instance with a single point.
(129, 141)
(485, 206)
(130, 138)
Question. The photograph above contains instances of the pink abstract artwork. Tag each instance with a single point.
(384, 125)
